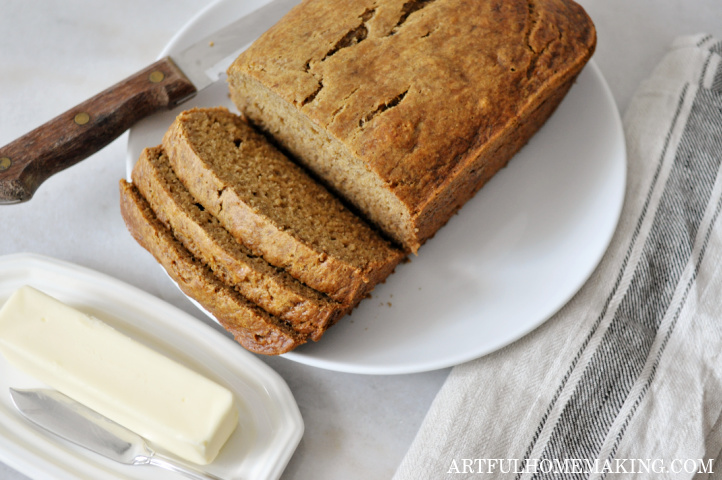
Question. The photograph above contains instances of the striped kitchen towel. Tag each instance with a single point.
(626, 380)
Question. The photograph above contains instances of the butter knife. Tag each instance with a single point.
(72, 421)
(88, 127)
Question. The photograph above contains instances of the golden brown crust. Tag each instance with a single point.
(291, 244)
(252, 327)
(271, 289)
(419, 92)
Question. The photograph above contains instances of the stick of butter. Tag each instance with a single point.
(168, 404)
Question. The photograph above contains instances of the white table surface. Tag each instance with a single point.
(54, 55)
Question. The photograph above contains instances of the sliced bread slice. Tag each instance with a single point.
(251, 326)
(308, 311)
(274, 207)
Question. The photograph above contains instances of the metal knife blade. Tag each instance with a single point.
(72, 421)
(206, 59)
(88, 127)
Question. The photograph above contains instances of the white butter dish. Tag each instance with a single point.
(269, 427)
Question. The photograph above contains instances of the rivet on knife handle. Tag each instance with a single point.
(83, 130)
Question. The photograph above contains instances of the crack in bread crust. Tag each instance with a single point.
(407, 9)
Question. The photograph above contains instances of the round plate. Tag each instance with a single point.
(512, 257)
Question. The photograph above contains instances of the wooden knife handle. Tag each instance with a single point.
(83, 130)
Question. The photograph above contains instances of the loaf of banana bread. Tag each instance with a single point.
(404, 108)
(407, 107)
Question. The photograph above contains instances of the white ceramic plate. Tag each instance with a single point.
(512, 257)
(270, 424)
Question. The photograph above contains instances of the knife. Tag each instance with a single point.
(68, 419)
(86, 128)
